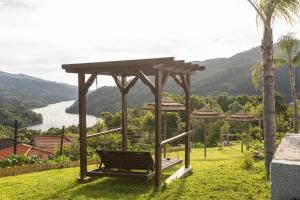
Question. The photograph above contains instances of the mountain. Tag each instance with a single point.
(229, 76)
(19, 93)
(28, 91)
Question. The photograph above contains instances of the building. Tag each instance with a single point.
(50, 143)
(25, 150)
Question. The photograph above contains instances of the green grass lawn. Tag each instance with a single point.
(217, 177)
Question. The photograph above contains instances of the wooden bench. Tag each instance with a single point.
(128, 164)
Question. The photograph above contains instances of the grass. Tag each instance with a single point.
(218, 177)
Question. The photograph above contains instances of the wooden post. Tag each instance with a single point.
(205, 134)
(158, 120)
(187, 120)
(62, 140)
(16, 137)
(124, 116)
(82, 126)
(165, 135)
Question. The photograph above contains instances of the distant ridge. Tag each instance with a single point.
(222, 76)
(28, 91)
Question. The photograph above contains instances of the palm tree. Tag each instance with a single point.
(290, 57)
(267, 12)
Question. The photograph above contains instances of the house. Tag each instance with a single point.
(25, 150)
(50, 143)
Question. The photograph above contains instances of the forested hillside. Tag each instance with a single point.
(229, 76)
(19, 93)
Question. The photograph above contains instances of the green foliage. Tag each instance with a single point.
(17, 160)
(247, 162)
(72, 151)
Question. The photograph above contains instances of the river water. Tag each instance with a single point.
(54, 115)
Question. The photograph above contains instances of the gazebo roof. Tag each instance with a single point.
(133, 67)
(241, 116)
(167, 104)
(207, 113)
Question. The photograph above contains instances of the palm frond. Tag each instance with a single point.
(296, 60)
(279, 62)
(256, 75)
(286, 9)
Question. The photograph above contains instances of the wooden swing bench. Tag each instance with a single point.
(129, 164)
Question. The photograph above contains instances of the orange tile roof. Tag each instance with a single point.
(50, 143)
(25, 150)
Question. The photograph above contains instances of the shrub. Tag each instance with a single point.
(17, 160)
(247, 162)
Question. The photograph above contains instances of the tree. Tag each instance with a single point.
(267, 12)
(290, 57)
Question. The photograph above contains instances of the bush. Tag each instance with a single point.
(17, 160)
(247, 163)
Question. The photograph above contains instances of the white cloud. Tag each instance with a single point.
(38, 36)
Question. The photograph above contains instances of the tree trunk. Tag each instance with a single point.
(294, 96)
(268, 96)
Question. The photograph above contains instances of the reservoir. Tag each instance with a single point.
(54, 115)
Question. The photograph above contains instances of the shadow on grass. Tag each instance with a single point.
(211, 159)
(109, 188)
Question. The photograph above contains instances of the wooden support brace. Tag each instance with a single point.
(88, 84)
(165, 79)
(145, 80)
(131, 84)
(118, 83)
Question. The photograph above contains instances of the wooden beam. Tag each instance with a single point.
(180, 173)
(131, 84)
(104, 132)
(89, 82)
(181, 135)
(145, 80)
(187, 121)
(124, 116)
(118, 83)
(82, 127)
(158, 127)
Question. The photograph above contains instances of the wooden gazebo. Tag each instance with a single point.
(167, 105)
(241, 116)
(206, 114)
(161, 69)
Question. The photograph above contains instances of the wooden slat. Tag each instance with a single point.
(174, 138)
(104, 132)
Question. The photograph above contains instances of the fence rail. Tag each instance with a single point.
(16, 170)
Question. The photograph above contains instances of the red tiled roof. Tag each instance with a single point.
(25, 150)
(50, 143)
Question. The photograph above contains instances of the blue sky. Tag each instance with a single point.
(37, 36)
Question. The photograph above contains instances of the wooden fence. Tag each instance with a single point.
(12, 171)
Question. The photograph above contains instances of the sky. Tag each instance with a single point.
(38, 36)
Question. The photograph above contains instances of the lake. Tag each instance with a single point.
(54, 115)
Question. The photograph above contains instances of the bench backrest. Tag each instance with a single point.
(126, 160)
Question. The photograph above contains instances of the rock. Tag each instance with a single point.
(285, 169)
